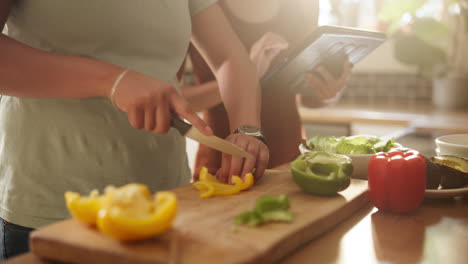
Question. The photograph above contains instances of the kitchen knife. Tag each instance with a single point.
(214, 142)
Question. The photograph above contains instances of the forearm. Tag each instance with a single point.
(229, 61)
(202, 96)
(240, 92)
(29, 72)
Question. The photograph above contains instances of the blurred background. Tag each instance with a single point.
(413, 87)
(420, 46)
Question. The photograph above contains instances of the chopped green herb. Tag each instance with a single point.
(268, 208)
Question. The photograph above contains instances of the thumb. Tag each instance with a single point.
(263, 62)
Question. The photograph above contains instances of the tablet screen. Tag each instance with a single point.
(327, 45)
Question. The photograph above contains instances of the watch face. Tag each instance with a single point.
(249, 129)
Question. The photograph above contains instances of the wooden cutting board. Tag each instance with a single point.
(203, 230)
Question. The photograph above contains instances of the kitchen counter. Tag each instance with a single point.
(436, 233)
(422, 117)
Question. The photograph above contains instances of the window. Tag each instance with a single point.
(365, 13)
(349, 13)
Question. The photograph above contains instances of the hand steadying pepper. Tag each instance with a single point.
(397, 180)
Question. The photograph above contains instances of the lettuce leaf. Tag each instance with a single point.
(327, 144)
(350, 145)
(384, 145)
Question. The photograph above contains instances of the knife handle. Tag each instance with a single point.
(180, 125)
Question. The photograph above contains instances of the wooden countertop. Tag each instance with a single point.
(436, 233)
(423, 117)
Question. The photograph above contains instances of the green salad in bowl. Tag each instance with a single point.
(359, 148)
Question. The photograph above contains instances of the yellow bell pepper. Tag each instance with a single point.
(209, 186)
(130, 212)
(246, 184)
(85, 209)
(206, 189)
(205, 176)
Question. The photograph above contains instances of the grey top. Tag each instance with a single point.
(49, 146)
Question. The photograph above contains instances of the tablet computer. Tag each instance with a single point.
(327, 45)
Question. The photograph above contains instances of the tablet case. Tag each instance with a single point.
(327, 45)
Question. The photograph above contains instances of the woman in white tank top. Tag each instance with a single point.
(88, 89)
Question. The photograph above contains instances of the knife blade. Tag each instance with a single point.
(214, 142)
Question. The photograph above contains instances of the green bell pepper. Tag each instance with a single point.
(322, 173)
(271, 202)
(268, 208)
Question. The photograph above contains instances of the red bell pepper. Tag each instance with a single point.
(397, 180)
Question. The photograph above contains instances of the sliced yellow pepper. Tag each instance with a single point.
(246, 184)
(205, 176)
(84, 209)
(206, 189)
(129, 212)
(209, 186)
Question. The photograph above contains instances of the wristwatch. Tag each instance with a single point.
(251, 131)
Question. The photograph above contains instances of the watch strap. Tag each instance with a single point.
(258, 134)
